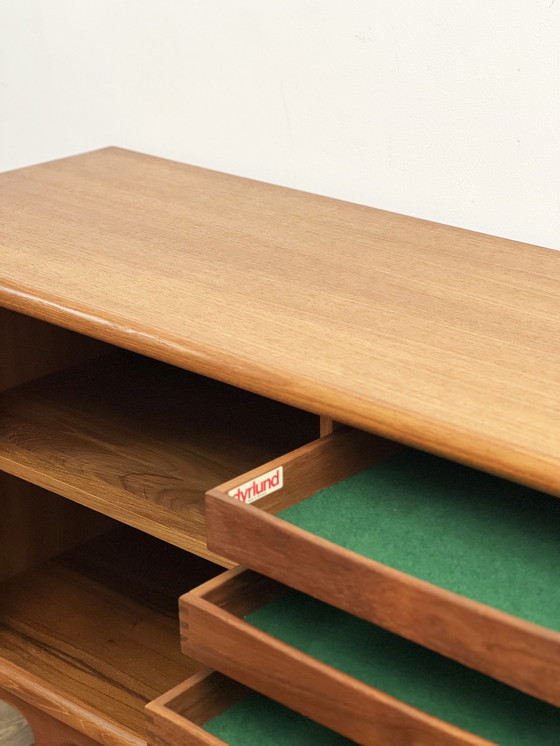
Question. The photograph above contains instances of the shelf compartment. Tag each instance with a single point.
(348, 488)
(211, 710)
(142, 441)
(350, 675)
(32, 348)
(91, 636)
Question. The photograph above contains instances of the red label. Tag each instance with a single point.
(259, 487)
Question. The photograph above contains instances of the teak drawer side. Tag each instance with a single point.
(179, 714)
(213, 631)
(521, 653)
(211, 710)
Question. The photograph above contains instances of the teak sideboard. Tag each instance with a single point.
(168, 331)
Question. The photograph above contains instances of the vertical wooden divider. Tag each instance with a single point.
(34, 523)
(328, 425)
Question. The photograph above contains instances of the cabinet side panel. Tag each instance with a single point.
(36, 525)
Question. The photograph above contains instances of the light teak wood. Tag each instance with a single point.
(92, 636)
(512, 650)
(306, 470)
(214, 633)
(431, 335)
(328, 426)
(176, 717)
(141, 441)
(57, 712)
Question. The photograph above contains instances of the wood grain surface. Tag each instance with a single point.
(515, 651)
(141, 441)
(91, 636)
(312, 467)
(214, 633)
(438, 337)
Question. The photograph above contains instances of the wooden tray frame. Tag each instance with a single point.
(515, 651)
(177, 716)
(213, 631)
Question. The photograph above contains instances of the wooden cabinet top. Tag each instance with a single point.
(439, 337)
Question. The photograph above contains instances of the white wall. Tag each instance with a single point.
(445, 110)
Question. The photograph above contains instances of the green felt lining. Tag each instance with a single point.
(258, 721)
(409, 672)
(477, 535)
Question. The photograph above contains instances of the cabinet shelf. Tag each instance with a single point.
(141, 441)
(91, 636)
(427, 335)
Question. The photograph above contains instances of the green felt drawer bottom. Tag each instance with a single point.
(471, 533)
(257, 720)
(409, 672)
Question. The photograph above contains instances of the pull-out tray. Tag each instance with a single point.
(211, 710)
(454, 559)
(350, 675)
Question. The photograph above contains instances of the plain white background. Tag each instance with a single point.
(445, 110)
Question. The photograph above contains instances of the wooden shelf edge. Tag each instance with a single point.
(115, 510)
(141, 441)
(473, 448)
(57, 704)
